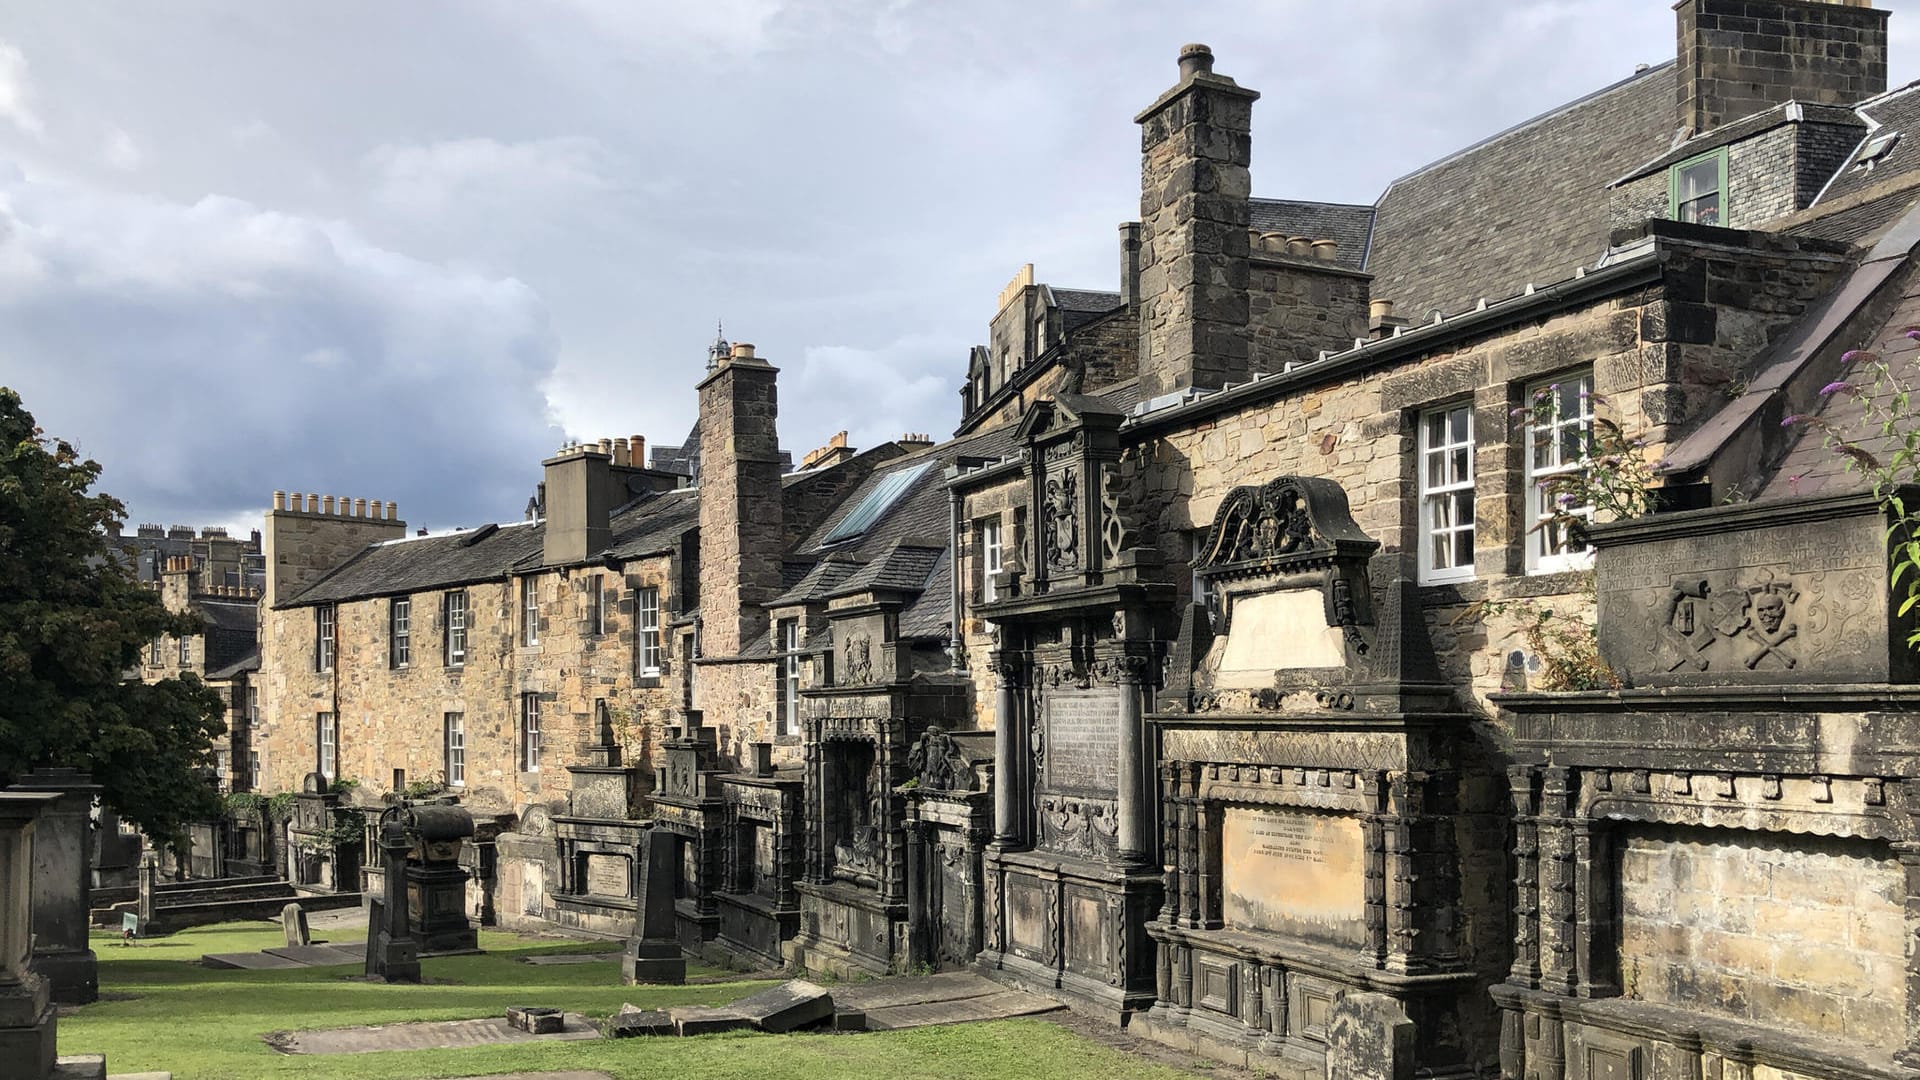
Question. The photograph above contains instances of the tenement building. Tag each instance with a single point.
(1286, 658)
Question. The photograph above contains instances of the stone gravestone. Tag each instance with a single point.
(391, 951)
(27, 1016)
(293, 918)
(1369, 1037)
(63, 884)
(653, 951)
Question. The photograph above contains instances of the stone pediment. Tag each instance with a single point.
(1292, 522)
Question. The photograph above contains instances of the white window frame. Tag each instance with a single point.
(325, 641)
(454, 752)
(646, 606)
(787, 633)
(1441, 489)
(529, 611)
(1544, 456)
(992, 556)
(597, 605)
(455, 609)
(530, 737)
(253, 702)
(400, 631)
(326, 741)
(186, 650)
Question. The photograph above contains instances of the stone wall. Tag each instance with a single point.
(1800, 931)
(395, 718)
(1298, 308)
(306, 539)
(741, 516)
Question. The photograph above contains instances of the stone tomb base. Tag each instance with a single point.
(1072, 929)
(848, 932)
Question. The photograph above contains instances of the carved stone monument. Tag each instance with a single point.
(689, 817)
(1770, 733)
(436, 882)
(653, 948)
(392, 953)
(1314, 787)
(1071, 877)
(27, 1016)
(62, 884)
(598, 836)
(949, 824)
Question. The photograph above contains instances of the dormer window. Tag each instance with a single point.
(1697, 189)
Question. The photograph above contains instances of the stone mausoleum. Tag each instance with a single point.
(1191, 680)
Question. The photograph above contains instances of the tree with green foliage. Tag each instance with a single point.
(72, 623)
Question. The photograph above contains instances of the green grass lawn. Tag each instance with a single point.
(206, 1024)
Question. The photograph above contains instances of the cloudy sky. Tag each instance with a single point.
(405, 250)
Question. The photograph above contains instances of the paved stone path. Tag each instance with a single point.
(433, 1035)
(953, 997)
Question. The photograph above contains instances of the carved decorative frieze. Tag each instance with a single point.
(936, 761)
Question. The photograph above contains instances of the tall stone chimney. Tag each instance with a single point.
(580, 500)
(1195, 144)
(740, 507)
(1130, 265)
(302, 541)
(1740, 57)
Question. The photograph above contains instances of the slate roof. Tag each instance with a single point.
(250, 661)
(1349, 224)
(903, 567)
(1897, 110)
(422, 563)
(232, 632)
(1085, 299)
(1860, 223)
(1526, 205)
(1793, 112)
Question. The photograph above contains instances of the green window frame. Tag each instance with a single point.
(1688, 200)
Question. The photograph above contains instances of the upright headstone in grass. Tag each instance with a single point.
(149, 881)
(395, 955)
(293, 919)
(63, 884)
(653, 951)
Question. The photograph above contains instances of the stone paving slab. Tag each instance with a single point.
(249, 961)
(997, 1006)
(571, 958)
(431, 1035)
(322, 955)
(913, 990)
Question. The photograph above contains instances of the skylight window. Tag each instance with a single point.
(876, 504)
(1877, 148)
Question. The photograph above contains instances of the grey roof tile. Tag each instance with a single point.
(1350, 225)
(1525, 205)
(1895, 111)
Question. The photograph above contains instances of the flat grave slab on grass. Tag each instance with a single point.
(249, 961)
(323, 955)
(1000, 1006)
(571, 958)
(429, 1035)
(912, 990)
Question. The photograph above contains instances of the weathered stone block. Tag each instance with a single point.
(707, 1019)
(536, 1020)
(631, 1022)
(790, 1006)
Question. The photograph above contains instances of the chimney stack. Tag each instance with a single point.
(1734, 59)
(580, 499)
(741, 515)
(1130, 264)
(1196, 144)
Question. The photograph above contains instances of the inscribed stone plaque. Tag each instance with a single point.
(1295, 872)
(1275, 631)
(766, 867)
(1083, 739)
(607, 875)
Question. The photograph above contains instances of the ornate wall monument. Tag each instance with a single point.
(598, 836)
(860, 729)
(1071, 876)
(1718, 867)
(1316, 783)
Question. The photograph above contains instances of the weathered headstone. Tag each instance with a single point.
(631, 1022)
(792, 1005)
(653, 951)
(1369, 1037)
(26, 1007)
(63, 884)
(293, 919)
(376, 925)
(149, 880)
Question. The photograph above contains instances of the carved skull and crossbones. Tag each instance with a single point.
(1770, 630)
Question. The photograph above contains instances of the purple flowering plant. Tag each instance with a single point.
(1883, 398)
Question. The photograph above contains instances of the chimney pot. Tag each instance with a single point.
(326, 505)
(391, 511)
(742, 350)
(1325, 250)
(279, 500)
(606, 447)
(1380, 309)
(621, 451)
(360, 508)
(1195, 59)
(637, 450)
(1300, 247)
